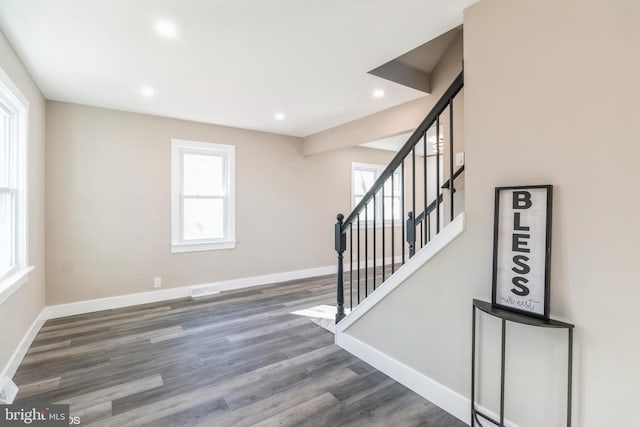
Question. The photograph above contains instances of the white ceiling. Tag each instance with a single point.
(233, 62)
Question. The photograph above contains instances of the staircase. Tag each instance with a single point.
(384, 230)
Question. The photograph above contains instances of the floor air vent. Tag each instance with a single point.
(200, 291)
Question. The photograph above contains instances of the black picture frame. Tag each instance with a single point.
(513, 299)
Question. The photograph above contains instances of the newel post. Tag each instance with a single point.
(341, 245)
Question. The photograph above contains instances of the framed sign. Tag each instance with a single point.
(522, 249)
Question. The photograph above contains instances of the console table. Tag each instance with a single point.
(505, 316)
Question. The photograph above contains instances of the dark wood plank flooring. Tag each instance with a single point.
(234, 359)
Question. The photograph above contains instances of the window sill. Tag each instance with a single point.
(197, 247)
(13, 282)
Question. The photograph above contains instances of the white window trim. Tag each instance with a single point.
(177, 245)
(379, 168)
(13, 97)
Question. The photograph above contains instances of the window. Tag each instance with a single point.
(363, 177)
(203, 196)
(13, 190)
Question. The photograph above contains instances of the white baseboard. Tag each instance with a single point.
(265, 279)
(89, 306)
(439, 242)
(120, 301)
(16, 358)
(440, 395)
(8, 391)
(447, 399)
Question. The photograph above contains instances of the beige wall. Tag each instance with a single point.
(21, 309)
(108, 219)
(534, 116)
(394, 121)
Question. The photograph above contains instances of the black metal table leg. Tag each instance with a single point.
(502, 363)
(522, 319)
(473, 366)
(570, 378)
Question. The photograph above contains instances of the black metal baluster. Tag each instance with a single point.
(366, 250)
(358, 263)
(351, 266)
(402, 190)
(426, 188)
(375, 208)
(413, 201)
(438, 174)
(393, 226)
(451, 156)
(421, 234)
(340, 240)
(383, 230)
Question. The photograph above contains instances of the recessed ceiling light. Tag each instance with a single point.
(166, 28)
(279, 116)
(378, 93)
(147, 91)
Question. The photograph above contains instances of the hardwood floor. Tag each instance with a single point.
(234, 359)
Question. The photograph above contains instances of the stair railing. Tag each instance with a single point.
(394, 193)
(425, 229)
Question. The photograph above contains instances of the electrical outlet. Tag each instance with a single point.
(460, 158)
(157, 282)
